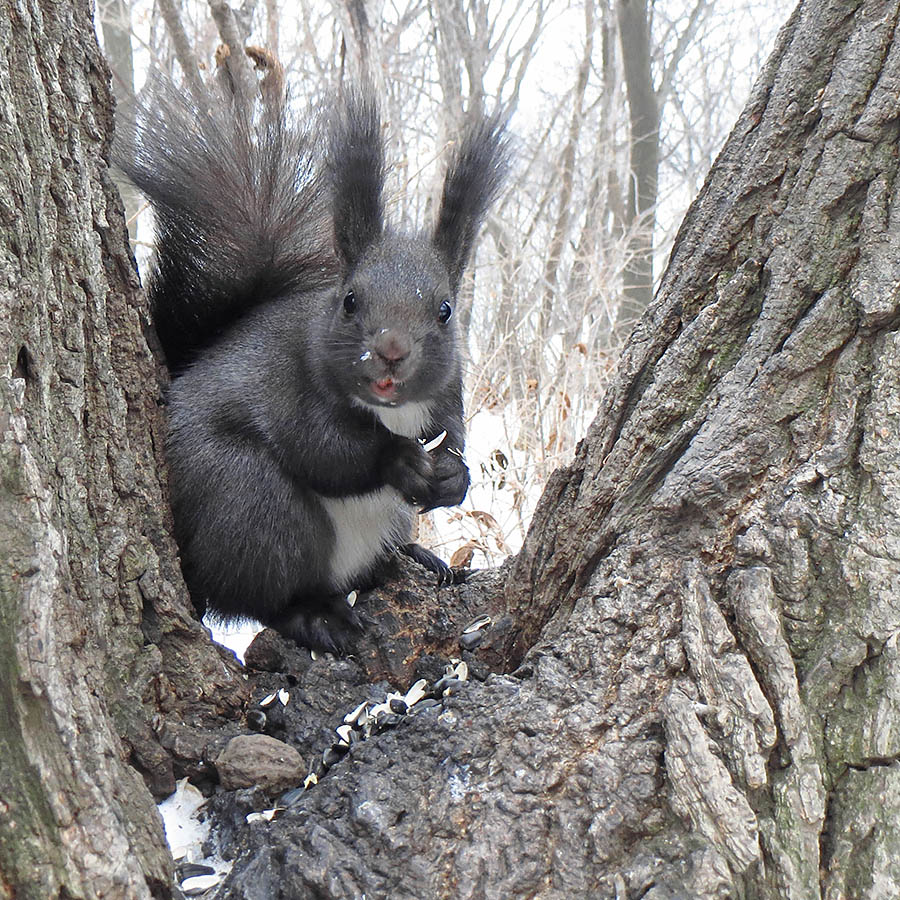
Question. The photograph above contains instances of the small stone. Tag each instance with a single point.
(257, 759)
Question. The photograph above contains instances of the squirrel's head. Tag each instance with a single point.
(393, 335)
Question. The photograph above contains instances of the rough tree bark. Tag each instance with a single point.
(96, 634)
(700, 635)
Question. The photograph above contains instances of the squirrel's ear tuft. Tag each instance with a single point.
(356, 167)
(474, 177)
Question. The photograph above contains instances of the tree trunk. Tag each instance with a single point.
(97, 634)
(701, 627)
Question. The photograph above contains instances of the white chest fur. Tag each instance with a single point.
(409, 420)
(365, 527)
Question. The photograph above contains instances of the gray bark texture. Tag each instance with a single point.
(691, 685)
(95, 631)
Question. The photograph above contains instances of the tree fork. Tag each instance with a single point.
(704, 701)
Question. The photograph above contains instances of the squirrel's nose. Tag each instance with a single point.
(392, 348)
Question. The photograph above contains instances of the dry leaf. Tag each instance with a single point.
(484, 518)
(462, 556)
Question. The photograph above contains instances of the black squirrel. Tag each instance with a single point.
(312, 349)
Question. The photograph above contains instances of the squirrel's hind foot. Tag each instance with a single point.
(329, 624)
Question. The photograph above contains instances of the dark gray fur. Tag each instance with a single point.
(305, 373)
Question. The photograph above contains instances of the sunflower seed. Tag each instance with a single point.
(471, 640)
(380, 710)
(268, 700)
(284, 696)
(191, 870)
(461, 671)
(478, 624)
(351, 598)
(265, 816)
(451, 686)
(199, 884)
(344, 732)
(289, 797)
(310, 779)
(450, 668)
(331, 756)
(256, 719)
(416, 692)
(352, 718)
(434, 443)
(398, 705)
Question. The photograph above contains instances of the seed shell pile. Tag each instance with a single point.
(367, 719)
(372, 718)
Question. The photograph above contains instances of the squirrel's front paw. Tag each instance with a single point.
(450, 481)
(408, 468)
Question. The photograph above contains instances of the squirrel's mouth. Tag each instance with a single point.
(385, 389)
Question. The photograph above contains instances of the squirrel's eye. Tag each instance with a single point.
(444, 311)
(350, 303)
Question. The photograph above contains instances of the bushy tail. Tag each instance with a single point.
(241, 207)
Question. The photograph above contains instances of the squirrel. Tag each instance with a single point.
(312, 349)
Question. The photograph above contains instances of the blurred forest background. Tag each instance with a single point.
(618, 108)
